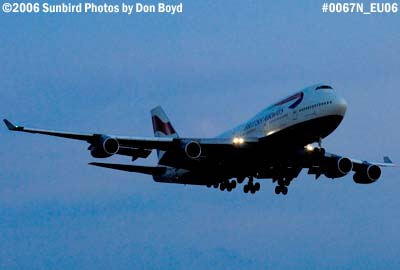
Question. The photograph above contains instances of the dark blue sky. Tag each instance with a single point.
(210, 68)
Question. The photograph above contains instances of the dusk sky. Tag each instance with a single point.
(211, 67)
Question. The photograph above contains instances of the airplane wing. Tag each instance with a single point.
(69, 135)
(387, 162)
(133, 146)
(224, 157)
(335, 166)
(139, 142)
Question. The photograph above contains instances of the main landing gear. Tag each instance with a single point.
(225, 185)
(228, 185)
(232, 184)
(320, 150)
(251, 187)
(282, 186)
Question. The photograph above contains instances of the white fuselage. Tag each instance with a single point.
(313, 104)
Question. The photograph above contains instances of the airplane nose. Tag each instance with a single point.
(340, 106)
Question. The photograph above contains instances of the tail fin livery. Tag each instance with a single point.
(162, 126)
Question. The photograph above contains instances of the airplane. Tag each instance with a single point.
(277, 143)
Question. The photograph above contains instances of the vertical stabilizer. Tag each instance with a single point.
(162, 127)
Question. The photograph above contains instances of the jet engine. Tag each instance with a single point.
(368, 174)
(338, 167)
(104, 147)
(193, 149)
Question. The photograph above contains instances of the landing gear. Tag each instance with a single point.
(226, 185)
(232, 184)
(283, 183)
(321, 150)
(222, 186)
(281, 189)
(251, 187)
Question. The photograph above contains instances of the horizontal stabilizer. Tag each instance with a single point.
(131, 168)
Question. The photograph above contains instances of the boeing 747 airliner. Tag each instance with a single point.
(274, 144)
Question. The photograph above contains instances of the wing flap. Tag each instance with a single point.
(162, 143)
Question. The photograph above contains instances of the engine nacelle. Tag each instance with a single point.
(338, 167)
(367, 175)
(105, 147)
(193, 149)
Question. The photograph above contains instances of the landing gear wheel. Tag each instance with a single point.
(277, 190)
(222, 186)
(233, 184)
(229, 188)
(251, 187)
(215, 185)
(284, 190)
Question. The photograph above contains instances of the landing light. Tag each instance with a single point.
(309, 147)
(238, 140)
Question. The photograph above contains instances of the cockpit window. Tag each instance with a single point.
(323, 87)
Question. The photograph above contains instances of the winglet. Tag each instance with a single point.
(387, 160)
(11, 126)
